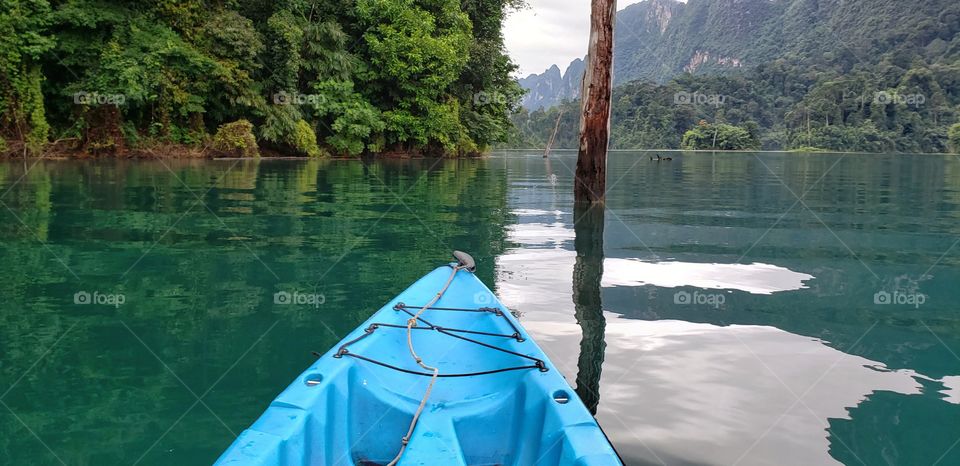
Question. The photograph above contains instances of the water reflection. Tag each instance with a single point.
(588, 309)
(752, 278)
(198, 248)
(681, 384)
(952, 392)
(795, 369)
(713, 389)
(732, 395)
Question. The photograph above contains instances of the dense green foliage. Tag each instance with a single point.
(719, 137)
(953, 135)
(352, 76)
(22, 43)
(236, 139)
(896, 106)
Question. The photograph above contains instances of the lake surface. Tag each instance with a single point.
(752, 308)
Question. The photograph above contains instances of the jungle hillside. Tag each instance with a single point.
(239, 77)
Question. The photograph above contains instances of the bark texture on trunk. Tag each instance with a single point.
(591, 175)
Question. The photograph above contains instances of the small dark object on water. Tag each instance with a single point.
(660, 159)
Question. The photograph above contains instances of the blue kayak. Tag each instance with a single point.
(441, 375)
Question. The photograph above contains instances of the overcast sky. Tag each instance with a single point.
(550, 32)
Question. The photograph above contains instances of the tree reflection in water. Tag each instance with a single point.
(587, 274)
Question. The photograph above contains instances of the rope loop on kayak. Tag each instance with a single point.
(411, 324)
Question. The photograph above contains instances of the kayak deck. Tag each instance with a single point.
(498, 401)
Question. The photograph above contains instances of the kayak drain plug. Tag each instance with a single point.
(561, 397)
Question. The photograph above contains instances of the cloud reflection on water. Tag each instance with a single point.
(694, 393)
(703, 394)
(752, 278)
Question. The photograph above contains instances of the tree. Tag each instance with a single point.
(416, 50)
(719, 137)
(953, 135)
(597, 91)
(23, 40)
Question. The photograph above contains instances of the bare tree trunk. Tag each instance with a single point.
(591, 176)
(553, 138)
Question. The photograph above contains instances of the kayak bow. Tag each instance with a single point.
(441, 375)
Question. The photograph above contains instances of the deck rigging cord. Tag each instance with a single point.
(464, 262)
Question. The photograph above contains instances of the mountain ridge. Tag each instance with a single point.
(657, 40)
(844, 75)
(553, 87)
(646, 22)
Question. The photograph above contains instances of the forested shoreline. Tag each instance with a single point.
(901, 104)
(293, 77)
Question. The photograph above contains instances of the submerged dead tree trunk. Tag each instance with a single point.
(553, 138)
(591, 176)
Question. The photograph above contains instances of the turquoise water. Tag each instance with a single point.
(732, 323)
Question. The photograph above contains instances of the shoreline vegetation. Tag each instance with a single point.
(784, 109)
(308, 78)
(184, 152)
(54, 151)
(70, 150)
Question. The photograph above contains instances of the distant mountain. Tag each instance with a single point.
(842, 75)
(657, 40)
(550, 88)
